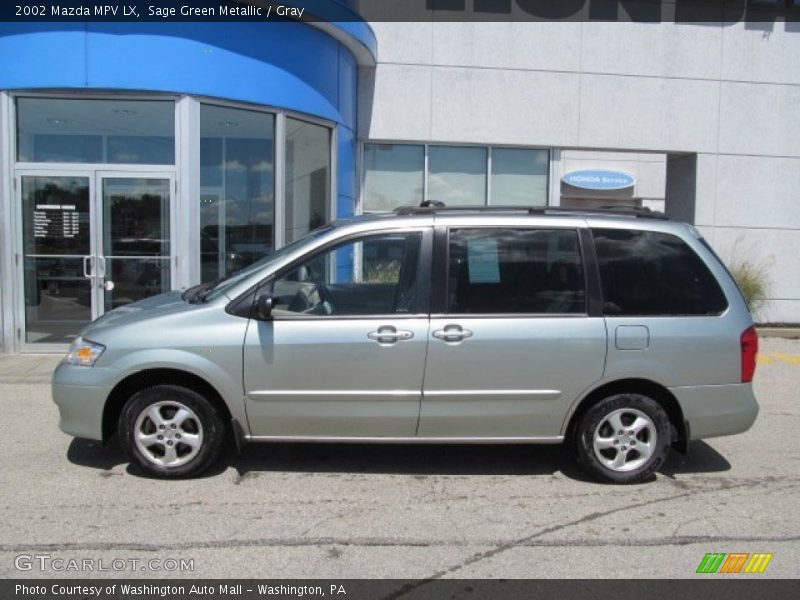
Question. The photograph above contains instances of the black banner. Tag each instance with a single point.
(649, 11)
(752, 587)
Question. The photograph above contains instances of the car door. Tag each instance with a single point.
(343, 353)
(513, 343)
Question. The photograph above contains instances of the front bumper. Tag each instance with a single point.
(80, 394)
(716, 410)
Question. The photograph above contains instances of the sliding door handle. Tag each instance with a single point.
(452, 334)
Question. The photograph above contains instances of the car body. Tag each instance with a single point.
(606, 330)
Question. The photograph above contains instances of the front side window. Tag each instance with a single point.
(375, 275)
(651, 273)
(515, 271)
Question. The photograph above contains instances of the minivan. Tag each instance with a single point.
(618, 332)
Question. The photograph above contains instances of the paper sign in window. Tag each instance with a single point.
(483, 261)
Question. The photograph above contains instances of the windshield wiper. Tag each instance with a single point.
(193, 294)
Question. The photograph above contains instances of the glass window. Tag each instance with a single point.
(237, 196)
(308, 176)
(96, 131)
(650, 273)
(505, 271)
(519, 177)
(393, 176)
(457, 175)
(371, 276)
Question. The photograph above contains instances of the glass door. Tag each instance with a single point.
(56, 258)
(92, 241)
(134, 258)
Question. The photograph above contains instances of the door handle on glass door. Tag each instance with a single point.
(87, 260)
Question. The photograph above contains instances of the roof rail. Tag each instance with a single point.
(625, 211)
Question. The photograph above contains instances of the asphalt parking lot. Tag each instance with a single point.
(406, 512)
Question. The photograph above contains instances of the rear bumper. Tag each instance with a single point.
(716, 410)
(80, 394)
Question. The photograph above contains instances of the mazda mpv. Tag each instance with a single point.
(617, 332)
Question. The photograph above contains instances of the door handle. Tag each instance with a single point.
(86, 261)
(389, 335)
(452, 333)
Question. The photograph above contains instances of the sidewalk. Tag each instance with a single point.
(28, 368)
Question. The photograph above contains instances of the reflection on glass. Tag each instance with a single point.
(96, 131)
(519, 177)
(237, 200)
(55, 223)
(308, 154)
(393, 176)
(58, 302)
(136, 238)
(457, 175)
(135, 279)
(135, 217)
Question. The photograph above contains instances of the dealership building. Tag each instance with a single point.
(141, 157)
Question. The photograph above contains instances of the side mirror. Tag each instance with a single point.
(263, 308)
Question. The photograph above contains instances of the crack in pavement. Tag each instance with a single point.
(685, 540)
(505, 546)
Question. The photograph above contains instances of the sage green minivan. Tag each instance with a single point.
(618, 332)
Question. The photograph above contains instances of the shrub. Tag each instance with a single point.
(753, 280)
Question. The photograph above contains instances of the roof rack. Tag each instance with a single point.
(626, 211)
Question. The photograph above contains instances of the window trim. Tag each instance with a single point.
(441, 275)
(423, 293)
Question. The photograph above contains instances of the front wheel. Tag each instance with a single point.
(171, 431)
(623, 438)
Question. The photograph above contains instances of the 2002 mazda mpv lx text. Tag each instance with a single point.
(620, 333)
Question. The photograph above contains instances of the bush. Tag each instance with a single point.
(753, 281)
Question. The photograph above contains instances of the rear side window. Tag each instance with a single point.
(513, 271)
(651, 273)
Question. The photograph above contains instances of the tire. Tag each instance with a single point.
(635, 454)
(158, 415)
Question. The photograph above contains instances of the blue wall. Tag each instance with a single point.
(281, 64)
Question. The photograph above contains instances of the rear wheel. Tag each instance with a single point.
(171, 431)
(624, 438)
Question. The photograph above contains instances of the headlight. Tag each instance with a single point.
(84, 353)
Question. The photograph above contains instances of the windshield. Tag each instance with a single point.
(215, 289)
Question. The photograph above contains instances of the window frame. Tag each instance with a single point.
(552, 154)
(423, 292)
(441, 274)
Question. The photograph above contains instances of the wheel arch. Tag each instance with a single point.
(647, 387)
(151, 377)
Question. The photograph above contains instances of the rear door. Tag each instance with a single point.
(344, 352)
(513, 344)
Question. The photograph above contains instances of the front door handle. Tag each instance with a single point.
(452, 334)
(389, 335)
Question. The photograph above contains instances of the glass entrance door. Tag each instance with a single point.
(56, 257)
(134, 260)
(91, 242)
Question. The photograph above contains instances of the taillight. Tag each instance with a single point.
(749, 343)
